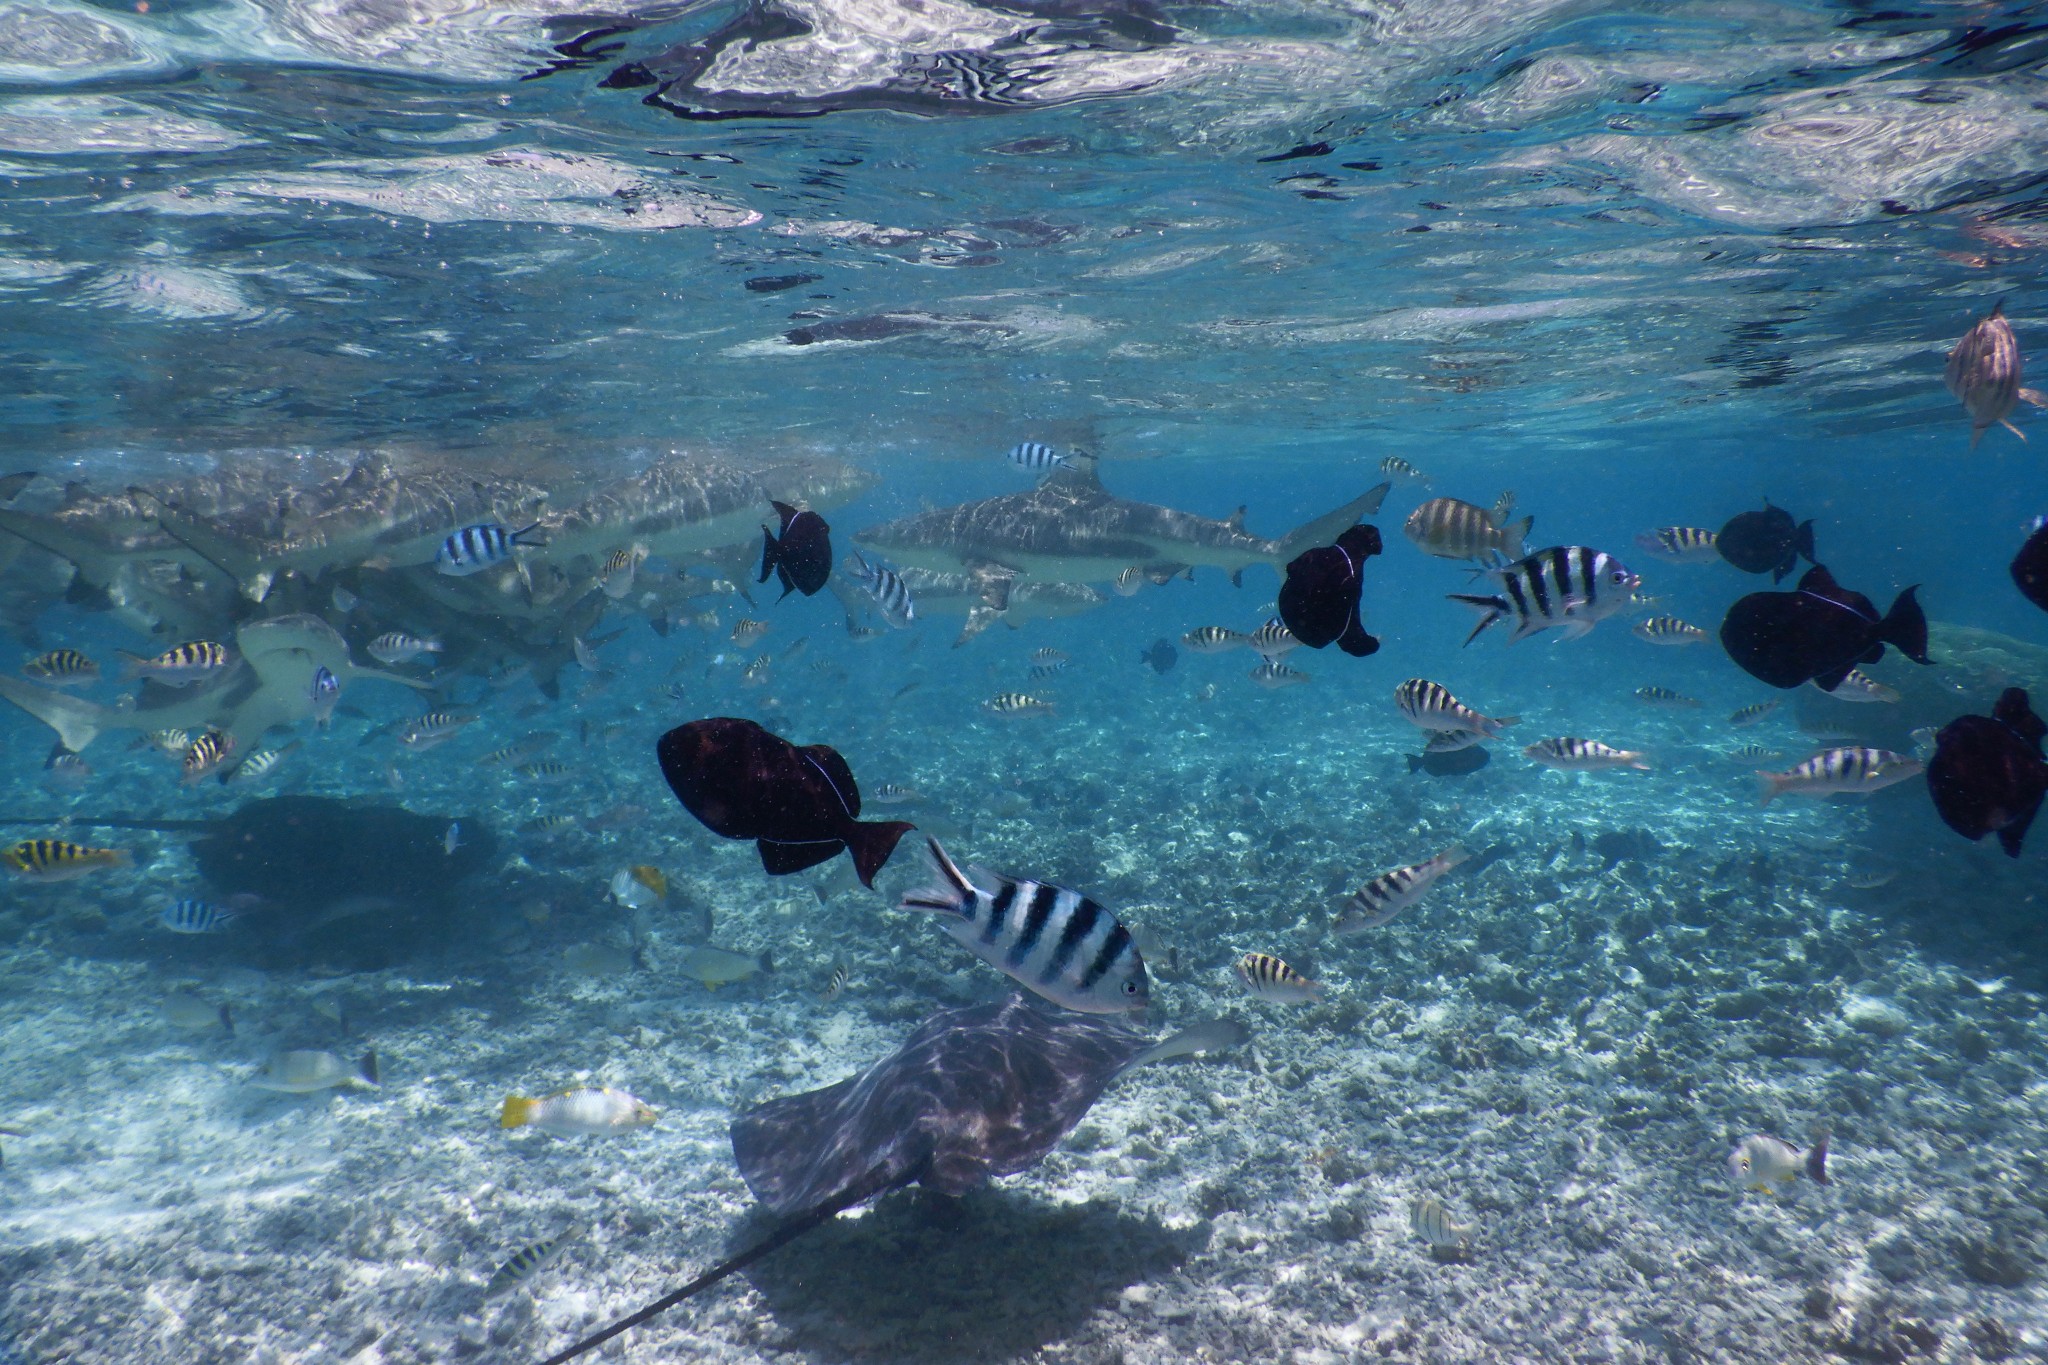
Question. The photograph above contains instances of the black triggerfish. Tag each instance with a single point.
(802, 557)
(1987, 775)
(1820, 632)
(1319, 600)
(798, 804)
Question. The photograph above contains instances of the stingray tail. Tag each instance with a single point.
(871, 843)
(1905, 626)
(956, 892)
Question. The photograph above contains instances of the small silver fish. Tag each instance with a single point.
(1214, 640)
(1681, 544)
(1762, 1162)
(1129, 581)
(452, 840)
(1273, 640)
(1584, 755)
(1859, 687)
(303, 1073)
(1017, 704)
(1274, 674)
(1400, 471)
(715, 967)
(396, 647)
(525, 1264)
(1669, 630)
(891, 794)
(1667, 699)
(184, 1010)
(1750, 715)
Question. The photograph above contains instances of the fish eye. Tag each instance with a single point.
(1619, 575)
(1130, 988)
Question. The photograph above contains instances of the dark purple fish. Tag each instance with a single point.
(1162, 656)
(1987, 775)
(1319, 600)
(2030, 566)
(1819, 632)
(1453, 763)
(802, 557)
(1765, 542)
(798, 804)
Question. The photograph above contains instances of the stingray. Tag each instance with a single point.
(973, 1093)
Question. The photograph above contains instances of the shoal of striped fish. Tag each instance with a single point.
(189, 916)
(1835, 772)
(1040, 672)
(580, 1111)
(1017, 704)
(1400, 471)
(1273, 640)
(180, 666)
(1432, 1222)
(1129, 581)
(1584, 755)
(1268, 978)
(1452, 529)
(1859, 687)
(615, 579)
(302, 1072)
(206, 755)
(1669, 630)
(1749, 715)
(1388, 894)
(1050, 940)
(1666, 698)
(54, 860)
(1214, 640)
(886, 590)
(1430, 706)
(1566, 587)
(1680, 544)
(1036, 456)
(524, 1265)
(482, 546)
(1274, 674)
(396, 647)
(61, 668)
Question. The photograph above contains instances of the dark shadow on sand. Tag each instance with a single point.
(924, 1279)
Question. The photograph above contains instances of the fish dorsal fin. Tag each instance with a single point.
(2013, 712)
(1079, 472)
(1818, 581)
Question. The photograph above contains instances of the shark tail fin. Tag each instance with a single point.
(77, 721)
(1325, 529)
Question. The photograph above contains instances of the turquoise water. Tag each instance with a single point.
(1644, 266)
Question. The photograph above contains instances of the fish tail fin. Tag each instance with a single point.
(1327, 527)
(952, 898)
(77, 721)
(132, 665)
(1494, 607)
(1817, 1160)
(2011, 836)
(1452, 856)
(528, 535)
(1905, 626)
(227, 1020)
(517, 1113)
(1802, 541)
(367, 1070)
(1501, 721)
(1769, 786)
(767, 554)
(871, 843)
(1512, 536)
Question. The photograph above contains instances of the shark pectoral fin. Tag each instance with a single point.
(211, 544)
(96, 566)
(77, 722)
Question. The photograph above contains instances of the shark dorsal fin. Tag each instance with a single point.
(1235, 521)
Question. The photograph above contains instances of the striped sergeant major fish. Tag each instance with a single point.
(1858, 686)
(482, 546)
(1036, 456)
(1584, 755)
(1430, 706)
(1274, 639)
(525, 1264)
(620, 567)
(326, 692)
(1040, 672)
(1451, 529)
(424, 732)
(1666, 698)
(1681, 544)
(206, 754)
(1129, 581)
(189, 916)
(1388, 894)
(1566, 587)
(1833, 772)
(1268, 978)
(1054, 942)
(194, 661)
(1744, 717)
(1400, 471)
(1669, 630)
(54, 860)
(61, 668)
(258, 764)
(396, 647)
(891, 598)
(1017, 704)
(1214, 639)
(1273, 674)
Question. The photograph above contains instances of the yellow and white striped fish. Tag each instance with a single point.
(1267, 977)
(54, 860)
(181, 666)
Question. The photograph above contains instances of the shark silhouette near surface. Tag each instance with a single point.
(1070, 530)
